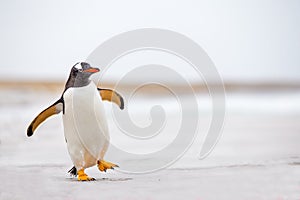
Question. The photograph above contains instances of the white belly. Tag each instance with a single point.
(85, 125)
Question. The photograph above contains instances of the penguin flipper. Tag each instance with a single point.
(113, 96)
(55, 108)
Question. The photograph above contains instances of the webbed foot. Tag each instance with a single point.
(83, 176)
(103, 165)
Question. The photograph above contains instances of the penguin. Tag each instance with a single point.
(85, 125)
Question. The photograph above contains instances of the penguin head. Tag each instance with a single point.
(80, 74)
(83, 69)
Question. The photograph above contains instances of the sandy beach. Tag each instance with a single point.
(257, 157)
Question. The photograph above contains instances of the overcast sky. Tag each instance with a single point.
(248, 40)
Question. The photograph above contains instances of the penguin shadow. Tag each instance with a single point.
(73, 179)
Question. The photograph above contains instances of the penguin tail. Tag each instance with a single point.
(73, 171)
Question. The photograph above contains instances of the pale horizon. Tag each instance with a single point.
(249, 41)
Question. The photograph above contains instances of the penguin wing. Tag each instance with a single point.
(55, 108)
(113, 96)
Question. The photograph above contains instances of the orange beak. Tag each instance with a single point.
(92, 70)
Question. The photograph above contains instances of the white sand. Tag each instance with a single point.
(258, 156)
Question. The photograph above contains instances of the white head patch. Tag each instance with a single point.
(78, 66)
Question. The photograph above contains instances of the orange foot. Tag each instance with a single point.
(103, 165)
(83, 176)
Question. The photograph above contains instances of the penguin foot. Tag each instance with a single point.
(83, 176)
(103, 165)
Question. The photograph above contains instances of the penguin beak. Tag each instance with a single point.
(91, 70)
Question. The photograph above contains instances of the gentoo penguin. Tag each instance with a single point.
(85, 125)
